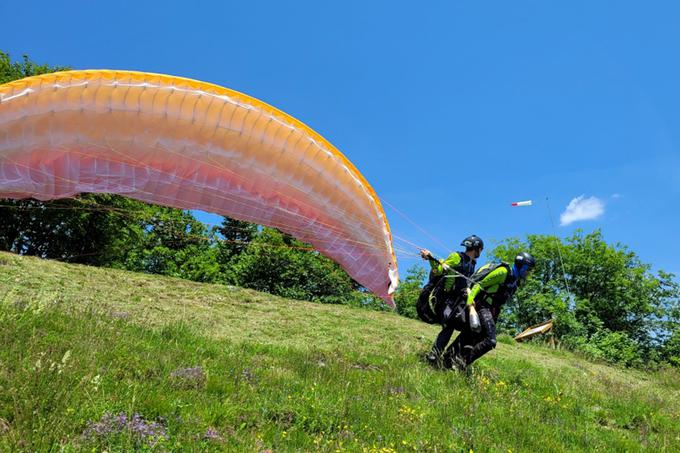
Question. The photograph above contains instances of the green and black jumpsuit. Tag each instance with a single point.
(488, 295)
(450, 287)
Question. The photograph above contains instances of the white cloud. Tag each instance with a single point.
(582, 208)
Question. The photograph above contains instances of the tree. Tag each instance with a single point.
(95, 229)
(669, 321)
(279, 264)
(234, 237)
(10, 71)
(175, 243)
(409, 290)
(616, 301)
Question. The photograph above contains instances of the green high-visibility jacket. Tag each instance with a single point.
(459, 264)
(491, 284)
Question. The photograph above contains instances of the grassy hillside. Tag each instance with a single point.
(99, 359)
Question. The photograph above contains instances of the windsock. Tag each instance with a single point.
(522, 203)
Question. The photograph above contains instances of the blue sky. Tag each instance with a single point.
(450, 109)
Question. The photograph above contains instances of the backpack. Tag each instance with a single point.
(504, 291)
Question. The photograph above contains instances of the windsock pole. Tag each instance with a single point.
(559, 249)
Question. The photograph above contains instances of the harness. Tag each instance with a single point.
(434, 298)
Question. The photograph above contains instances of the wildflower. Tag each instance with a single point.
(248, 376)
(396, 390)
(409, 413)
(109, 424)
(188, 377)
(405, 410)
(144, 429)
(211, 434)
(189, 373)
(96, 381)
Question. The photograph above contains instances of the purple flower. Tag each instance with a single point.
(248, 375)
(211, 434)
(122, 420)
(106, 425)
(110, 424)
(192, 377)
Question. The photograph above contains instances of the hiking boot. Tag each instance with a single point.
(455, 363)
(434, 359)
(459, 363)
(447, 363)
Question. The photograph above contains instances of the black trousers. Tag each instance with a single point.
(446, 333)
(442, 339)
(472, 345)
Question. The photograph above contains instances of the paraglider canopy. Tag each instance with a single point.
(192, 145)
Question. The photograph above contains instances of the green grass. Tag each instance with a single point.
(77, 342)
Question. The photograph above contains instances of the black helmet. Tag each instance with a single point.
(473, 242)
(523, 258)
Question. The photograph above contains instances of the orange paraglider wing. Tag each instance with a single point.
(192, 145)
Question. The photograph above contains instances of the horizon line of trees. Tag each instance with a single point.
(607, 303)
(112, 231)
